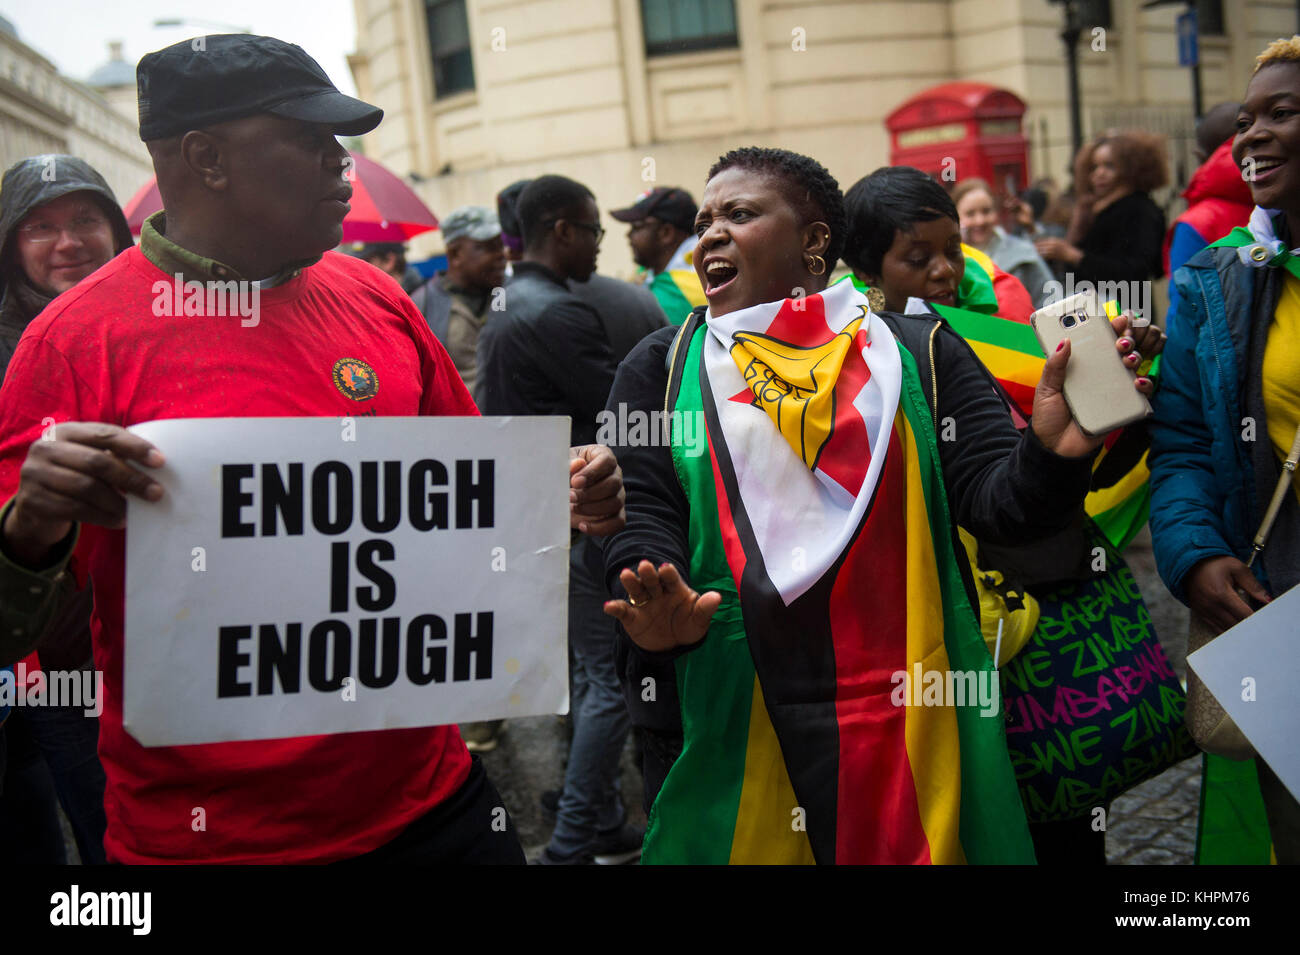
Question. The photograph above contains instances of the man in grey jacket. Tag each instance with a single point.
(457, 303)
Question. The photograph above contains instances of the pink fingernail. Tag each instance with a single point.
(1125, 342)
(1061, 344)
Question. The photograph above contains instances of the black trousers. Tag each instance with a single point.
(471, 827)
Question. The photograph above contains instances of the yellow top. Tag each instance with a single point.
(1282, 371)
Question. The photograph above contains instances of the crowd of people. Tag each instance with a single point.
(879, 496)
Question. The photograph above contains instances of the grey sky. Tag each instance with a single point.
(74, 34)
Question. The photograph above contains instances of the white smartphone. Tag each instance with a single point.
(1098, 385)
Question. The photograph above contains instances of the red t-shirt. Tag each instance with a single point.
(99, 353)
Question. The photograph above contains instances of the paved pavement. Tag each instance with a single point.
(528, 760)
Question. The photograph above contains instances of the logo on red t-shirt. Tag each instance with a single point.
(356, 379)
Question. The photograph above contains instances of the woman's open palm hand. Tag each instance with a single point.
(661, 612)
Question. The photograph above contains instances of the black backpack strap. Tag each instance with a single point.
(675, 363)
(919, 335)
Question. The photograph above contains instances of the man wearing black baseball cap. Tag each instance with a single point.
(241, 131)
(662, 237)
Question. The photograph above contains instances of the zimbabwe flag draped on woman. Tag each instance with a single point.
(797, 750)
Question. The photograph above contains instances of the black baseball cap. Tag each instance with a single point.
(666, 203)
(213, 79)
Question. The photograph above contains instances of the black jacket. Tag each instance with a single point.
(1124, 242)
(547, 354)
(1003, 486)
(628, 312)
(27, 184)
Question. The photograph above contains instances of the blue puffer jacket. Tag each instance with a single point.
(1203, 500)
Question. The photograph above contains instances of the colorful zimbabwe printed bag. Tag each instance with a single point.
(1093, 706)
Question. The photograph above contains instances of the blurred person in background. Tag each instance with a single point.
(1116, 231)
(457, 303)
(59, 223)
(1027, 211)
(659, 233)
(512, 234)
(388, 257)
(978, 212)
(1218, 199)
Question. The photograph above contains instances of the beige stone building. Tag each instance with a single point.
(43, 111)
(624, 94)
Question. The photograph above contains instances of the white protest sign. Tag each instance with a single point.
(1253, 670)
(303, 576)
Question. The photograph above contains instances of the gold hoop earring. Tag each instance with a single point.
(817, 260)
(875, 299)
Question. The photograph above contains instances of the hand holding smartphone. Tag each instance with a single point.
(1098, 386)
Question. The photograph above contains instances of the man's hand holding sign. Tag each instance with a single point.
(77, 473)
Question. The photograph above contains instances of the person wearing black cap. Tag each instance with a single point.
(662, 237)
(242, 133)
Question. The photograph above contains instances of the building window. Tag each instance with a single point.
(1209, 17)
(453, 63)
(679, 26)
(1094, 13)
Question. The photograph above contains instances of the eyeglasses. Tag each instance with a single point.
(597, 230)
(81, 227)
(592, 227)
(642, 224)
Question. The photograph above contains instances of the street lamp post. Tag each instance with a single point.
(1070, 37)
(197, 21)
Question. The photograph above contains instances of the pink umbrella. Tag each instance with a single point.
(384, 209)
(142, 205)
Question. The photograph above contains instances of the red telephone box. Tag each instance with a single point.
(960, 130)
